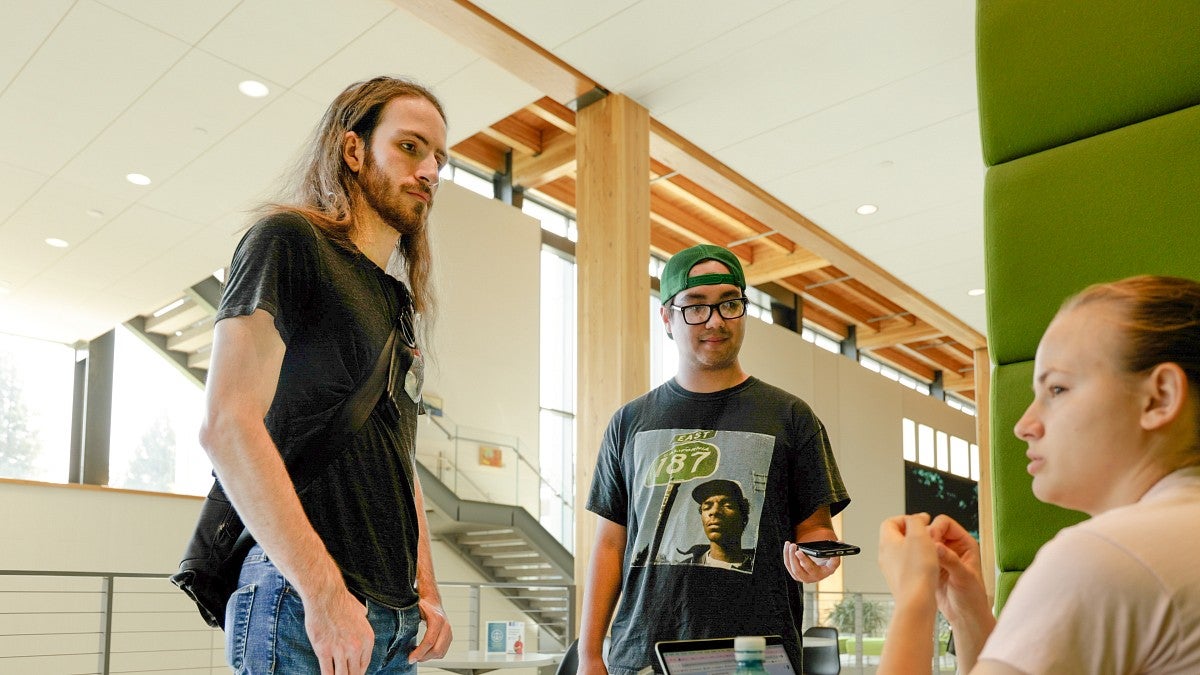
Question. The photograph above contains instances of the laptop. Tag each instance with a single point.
(714, 656)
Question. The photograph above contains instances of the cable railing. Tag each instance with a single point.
(99, 623)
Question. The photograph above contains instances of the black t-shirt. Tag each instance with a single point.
(334, 310)
(759, 451)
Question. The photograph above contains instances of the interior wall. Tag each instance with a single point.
(862, 411)
(485, 347)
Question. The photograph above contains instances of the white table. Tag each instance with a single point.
(476, 662)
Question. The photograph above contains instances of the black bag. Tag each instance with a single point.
(212, 561)
(213, 558)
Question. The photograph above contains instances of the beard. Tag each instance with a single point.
(390, 201)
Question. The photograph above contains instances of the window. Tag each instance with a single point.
(760, 305)
(821, 340)
(156, 412)
(472, 180)
(664, 357)
(552, 221)
(36, 384)
(556, 446)
(922, 444)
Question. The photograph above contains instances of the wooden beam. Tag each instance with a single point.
(983, 415)
(493, 40)
(673, 150)
(557, 159)
(799, 261)
(515, 134)
(894, 336)
(553, 112)
(613, 210)
(958, 382)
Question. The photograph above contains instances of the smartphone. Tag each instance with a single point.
(827, 548)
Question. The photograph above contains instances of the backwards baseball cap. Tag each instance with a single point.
(675, 275)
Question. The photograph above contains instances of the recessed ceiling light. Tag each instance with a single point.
(866, 209)
(56, 242)
(975, 291)
(95, 213)
(253, 88)
(137, 178)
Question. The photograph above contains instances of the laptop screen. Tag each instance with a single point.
(715, 657)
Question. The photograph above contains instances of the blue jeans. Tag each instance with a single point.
(264, 627)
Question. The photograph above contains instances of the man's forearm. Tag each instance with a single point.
(254, 477)
(427, 587)
(600, 598)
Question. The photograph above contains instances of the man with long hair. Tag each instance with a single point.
(341, 574)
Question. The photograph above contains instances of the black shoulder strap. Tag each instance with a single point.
(351, 416)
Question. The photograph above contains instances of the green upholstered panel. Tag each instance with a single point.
(1004, 586)
(1022, 523)
(1106, 207)
(1052, 72)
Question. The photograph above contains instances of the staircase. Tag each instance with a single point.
(506, 544)
(182, 330)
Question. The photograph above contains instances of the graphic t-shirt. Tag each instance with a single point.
(709, 487)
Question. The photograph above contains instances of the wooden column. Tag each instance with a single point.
(983, 438)
(612, 204)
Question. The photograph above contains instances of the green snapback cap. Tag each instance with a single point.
(675, 275)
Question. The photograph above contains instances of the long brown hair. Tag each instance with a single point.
(325, 190)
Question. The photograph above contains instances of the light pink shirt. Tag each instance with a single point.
(1119, 593)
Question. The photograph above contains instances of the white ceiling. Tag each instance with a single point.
(825, 104)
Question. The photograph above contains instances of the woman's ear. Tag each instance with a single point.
(353, 150)
(1166, 392)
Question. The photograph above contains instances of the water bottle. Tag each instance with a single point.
(750, 652)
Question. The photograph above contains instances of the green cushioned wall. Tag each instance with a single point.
(1051, 72)
(1022, 523)
(1110, 206)
(1004, 586)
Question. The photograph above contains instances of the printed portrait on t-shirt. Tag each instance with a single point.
(700, 495)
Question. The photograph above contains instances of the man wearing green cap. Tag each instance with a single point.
(711, 425)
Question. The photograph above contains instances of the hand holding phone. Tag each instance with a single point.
(827, 548)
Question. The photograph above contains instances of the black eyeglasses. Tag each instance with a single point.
(695, 315)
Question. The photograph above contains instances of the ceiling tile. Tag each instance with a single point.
(284, 40)
(550, 23)
(648, 34)
(189, 110)
(480, 95)
(242, 170)
(400, 45)
(23, 26)
(85, 73)
(188, 21)
(877, 116)
(176, 269)
(782, 19)
(797, 73)
(135, 236)
(16, 186)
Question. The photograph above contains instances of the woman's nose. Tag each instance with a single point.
(1029, 426)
